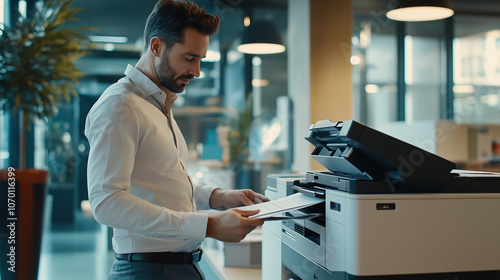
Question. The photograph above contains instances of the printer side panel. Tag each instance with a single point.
(335, 231)
(421, 234)
(271, 245)
(279, 186)
(271, 255)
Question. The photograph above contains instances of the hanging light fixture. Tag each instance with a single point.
(261, 37)
(419, 10)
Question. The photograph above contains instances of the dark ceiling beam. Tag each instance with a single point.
(468, 12)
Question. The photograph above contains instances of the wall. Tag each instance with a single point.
(319, 70)
(331, 83)
(299, 80)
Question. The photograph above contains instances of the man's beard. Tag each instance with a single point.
(166, 76)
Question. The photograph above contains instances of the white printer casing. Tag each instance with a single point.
(412, 234)
(381, 221)
(434, 235)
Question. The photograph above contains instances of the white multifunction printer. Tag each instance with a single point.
(391, 211)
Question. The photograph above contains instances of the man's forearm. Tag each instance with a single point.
(232, 225)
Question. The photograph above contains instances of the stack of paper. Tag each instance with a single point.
(273, 208)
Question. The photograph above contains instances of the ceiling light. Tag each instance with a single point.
(261, 37)
(355, 60)
(212, 56)
(371, 88)
(420, 10)
(260, 83)
(108, 39)
(261, 48)
(246, 21)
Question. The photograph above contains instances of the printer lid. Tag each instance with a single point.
(351, 149)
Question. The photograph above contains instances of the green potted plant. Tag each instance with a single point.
(239, 133)
(240, 127)
(37, 72)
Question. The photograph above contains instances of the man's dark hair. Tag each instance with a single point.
(169, 18)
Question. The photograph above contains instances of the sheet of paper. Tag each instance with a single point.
(300, 217)
(282, 205)
(472, 173)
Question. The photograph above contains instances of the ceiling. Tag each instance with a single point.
(475, 16)
(127, 17)
(461, 7)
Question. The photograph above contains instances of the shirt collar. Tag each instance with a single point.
(148, 87)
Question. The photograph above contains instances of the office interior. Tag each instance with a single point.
(434, 84)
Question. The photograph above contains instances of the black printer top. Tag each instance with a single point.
(351, 149)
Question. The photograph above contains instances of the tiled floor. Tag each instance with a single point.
(75, 251)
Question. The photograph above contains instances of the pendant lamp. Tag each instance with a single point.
(419, 10)
(261, 37)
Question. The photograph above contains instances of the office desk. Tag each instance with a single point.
(212, 264)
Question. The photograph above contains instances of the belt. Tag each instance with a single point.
(164, 257)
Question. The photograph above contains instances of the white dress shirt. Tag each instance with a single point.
(137, 178)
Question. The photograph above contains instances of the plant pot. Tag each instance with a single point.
(63, 207)
(22, 196)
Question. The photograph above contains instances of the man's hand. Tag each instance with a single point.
(232, 225)
(233, 198)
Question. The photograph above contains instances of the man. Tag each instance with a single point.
(138, 182)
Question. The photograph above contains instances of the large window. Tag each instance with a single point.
(374, 60)
(414, 71)
(425, 70)
(477, 70)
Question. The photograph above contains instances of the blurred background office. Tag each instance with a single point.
(435, 84)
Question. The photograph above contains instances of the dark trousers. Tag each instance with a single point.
(135, 270)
